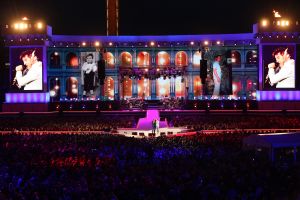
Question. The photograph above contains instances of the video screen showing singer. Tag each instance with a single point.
(29, 76)
(281, 73)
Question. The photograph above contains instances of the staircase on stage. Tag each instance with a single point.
(144, 127)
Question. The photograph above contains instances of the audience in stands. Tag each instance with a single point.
(105, 166)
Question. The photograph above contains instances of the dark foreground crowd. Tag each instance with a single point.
(103, 166)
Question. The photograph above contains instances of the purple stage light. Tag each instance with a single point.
(27, 97)
(278, 95)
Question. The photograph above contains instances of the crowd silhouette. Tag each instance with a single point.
(107, 166)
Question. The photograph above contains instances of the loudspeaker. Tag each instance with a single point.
(101, 71)
(203, 70)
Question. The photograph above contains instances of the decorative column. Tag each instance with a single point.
(243, 58)
(191, 87)
(153, 89)
(172, 86)
(134, 88)
(63, 87)
(116, 88)
(134, 58)
(244, 84)
(172, 56)
(190, 63)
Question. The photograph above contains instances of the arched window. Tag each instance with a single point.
(251, 87)
(163, 58)
(125, 59)
(109, 88)
(110, 59)
(236, 87)
(163, 87)
(54, 60)
(251, 57)
(197, 86)
(143, 88)
(235, 57)
(72, 87)
(72, 60)
(127, 87)
(54, 88)
(181, 59)
(196, 59)
(143, 59)
(179, 87)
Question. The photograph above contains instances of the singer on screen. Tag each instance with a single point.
(31, 76)
(285, 77)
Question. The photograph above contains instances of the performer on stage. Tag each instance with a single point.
(157, 125)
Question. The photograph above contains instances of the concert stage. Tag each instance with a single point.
(144, 127)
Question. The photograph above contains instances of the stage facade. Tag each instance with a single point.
(187, 67)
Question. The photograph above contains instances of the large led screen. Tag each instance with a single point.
(216, 73)
(26, 69)
(279, 67)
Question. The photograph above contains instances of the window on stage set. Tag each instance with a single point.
(72, 60)
(181, 59)
(55, 60)
(237, 87)
(54, 88)
(162, 58)
(180, 87)
(163, 87)
(127, 88)
(196, 59)
(143, 59)
(251, 57)
(198, 89)
(143, 88)
(251, 87)
(109, 88)
(126, 59)
(110, 60)
(72, 87)
(235, 58)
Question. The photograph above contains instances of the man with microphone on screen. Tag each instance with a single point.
(31, 76)
(285, 78)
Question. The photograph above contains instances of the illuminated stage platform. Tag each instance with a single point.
(144, 127)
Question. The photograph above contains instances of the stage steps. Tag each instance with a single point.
(146, 123)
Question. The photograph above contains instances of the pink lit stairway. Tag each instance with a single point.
(146, 123)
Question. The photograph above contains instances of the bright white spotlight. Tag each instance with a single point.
(16, 26)
(264, 22)
(52, 93)
(97, 44)
(39, 25)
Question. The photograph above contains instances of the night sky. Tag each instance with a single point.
(154, 17)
